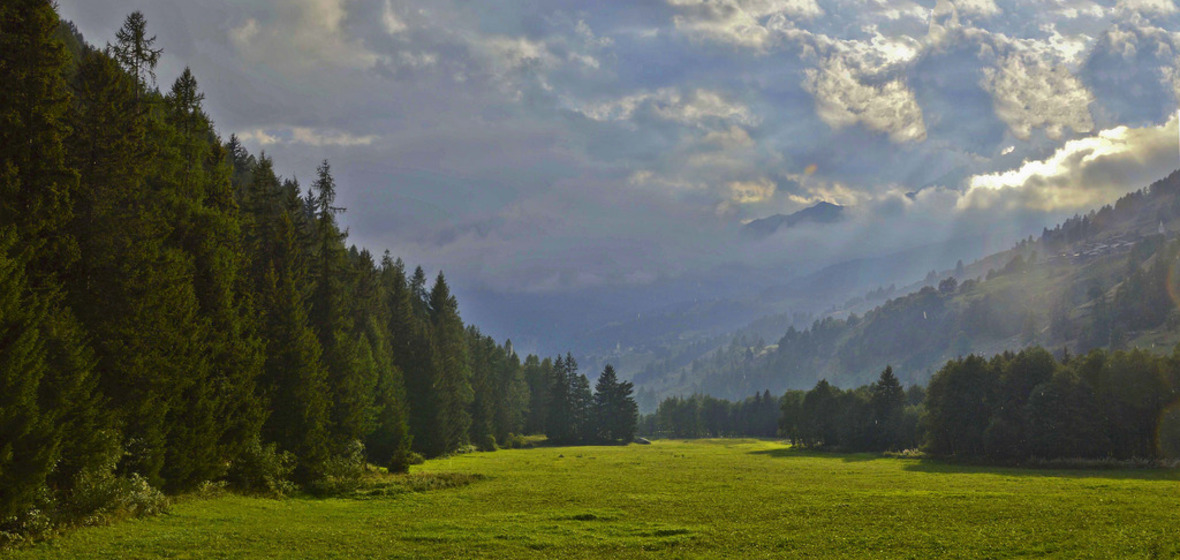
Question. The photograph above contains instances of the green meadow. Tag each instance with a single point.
(674, 499)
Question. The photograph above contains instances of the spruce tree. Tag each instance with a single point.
(559, 425)
(47, 397)
(453, 385)
(392, 436)
(145, 328)
(615, 411)
(133, 49)
(537, 374)
(483, 363)
(886, 401)
(293, 381)
(28, 445)
(350, 381)
(512, 394)
(581, 405)
(37, 184)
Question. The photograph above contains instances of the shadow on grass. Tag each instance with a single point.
(941, 466)
(797, 452)
(936, 466)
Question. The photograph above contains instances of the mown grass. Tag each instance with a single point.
(674, 499)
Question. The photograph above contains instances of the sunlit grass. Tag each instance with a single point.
(714, 498)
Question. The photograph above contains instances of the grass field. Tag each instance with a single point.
(674, 499)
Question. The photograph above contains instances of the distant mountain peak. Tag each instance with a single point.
(821, 213)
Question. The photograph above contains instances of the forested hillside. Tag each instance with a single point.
(1101, 280)
(173, 312)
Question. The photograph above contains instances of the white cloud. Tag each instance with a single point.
(842, 100)
(306, 136)
(1029, 93)
(751, 192)
(1161, 7)
(510, 54)
(393, 24)
(699, 108)
(301, 35)
(983, 8)
(1082, 173)
(744, 23)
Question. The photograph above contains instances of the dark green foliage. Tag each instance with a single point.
(293, 380)
(453, 384)
(262, 468)
(28, 445)
(959, 402)
(704, 416)
(133, 49)
(615, 411)
(886, 407)
(36, 184)
(537, 374)
(1097, 406)
(173, 312)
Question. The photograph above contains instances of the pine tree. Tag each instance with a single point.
(133, 49)
(350, 381)
(36, 183)
(615, 413)
(145, 328)
(605, 393)
(28, 445)
(453, 385)
(581, 402)
(47, 397)
(537, 374)
(886, 401)
(484, 364)
(559, 426)
(293, 380)
(512, 394)
(403, 331)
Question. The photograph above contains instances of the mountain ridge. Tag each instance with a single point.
(821, 213)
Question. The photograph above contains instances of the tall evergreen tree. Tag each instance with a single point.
(37, 184)
(484, 366)
(403, 331)
(537, 374)
(581, 402)
(615, 413)
(559, 427)
(453, 385)
(146, 326)
(886, 402)
(47, 399)
(293, 381)
(351, 381)
(512, 394)
(133, 49)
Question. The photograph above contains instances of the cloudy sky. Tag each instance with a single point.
(541, 146)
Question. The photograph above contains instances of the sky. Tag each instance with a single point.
(569, 146)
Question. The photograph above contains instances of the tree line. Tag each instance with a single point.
(173, 312)
(700, 416)
(1015, 406)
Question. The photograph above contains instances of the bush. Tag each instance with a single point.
(402, 459)
(342, 473)
(516, 441)
(262, 469)
(98, 495)
(486, 442)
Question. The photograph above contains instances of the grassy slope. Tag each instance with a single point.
(725, 498)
